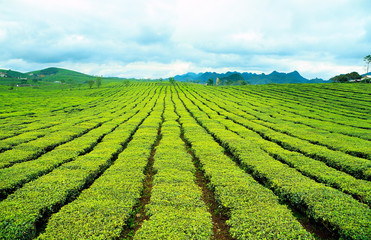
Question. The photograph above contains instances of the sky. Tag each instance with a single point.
(163, 38)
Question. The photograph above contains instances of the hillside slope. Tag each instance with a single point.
(58, 74)
(12, 74)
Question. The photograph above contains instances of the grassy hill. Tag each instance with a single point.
(47, 77)
(58, 74)
(9, 77)
(42, 77)
(13, 74)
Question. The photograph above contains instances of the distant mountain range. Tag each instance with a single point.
(251, 78)
(57, 74)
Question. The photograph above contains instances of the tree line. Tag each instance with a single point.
(354, 76)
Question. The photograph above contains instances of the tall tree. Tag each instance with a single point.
(91, 83)
(98, 81)
(367, 59)
(171, 80)
(210, 82)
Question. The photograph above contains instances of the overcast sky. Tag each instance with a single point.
(162, 38)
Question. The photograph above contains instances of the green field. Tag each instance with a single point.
(151, 160)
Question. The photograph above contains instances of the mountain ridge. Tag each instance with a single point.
(230, 78)
(251, 78)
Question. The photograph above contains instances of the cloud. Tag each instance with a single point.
(147, 69)
(151, 37)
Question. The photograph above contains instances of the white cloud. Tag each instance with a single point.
(153, 37)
